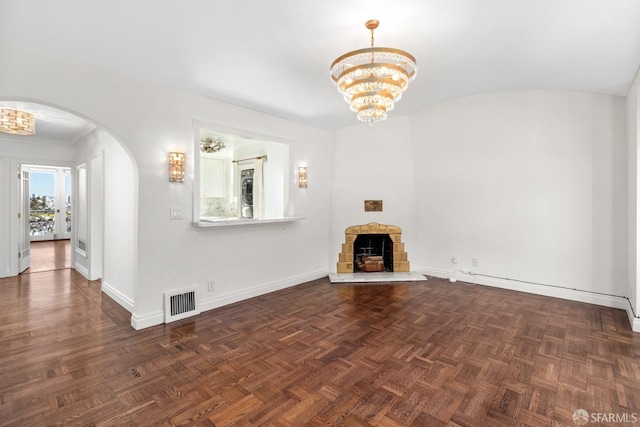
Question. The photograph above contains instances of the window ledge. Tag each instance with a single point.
(238, 222)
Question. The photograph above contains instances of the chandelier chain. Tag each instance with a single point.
(373, 55)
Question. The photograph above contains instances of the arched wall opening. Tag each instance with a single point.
(111, 202)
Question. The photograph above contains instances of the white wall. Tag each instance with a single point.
(373, 163)
(118, 222)
(633, 140)
(151, 121)
(14, 150)
(96, 215)
(531, 184)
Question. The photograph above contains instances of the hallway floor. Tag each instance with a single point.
(49, 255)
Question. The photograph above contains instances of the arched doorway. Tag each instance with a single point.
(104, 194)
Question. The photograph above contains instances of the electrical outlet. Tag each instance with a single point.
(474, 262)
(454, 260)
(176, 213)
(211, 286)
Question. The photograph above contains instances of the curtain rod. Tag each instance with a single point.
(252, 158)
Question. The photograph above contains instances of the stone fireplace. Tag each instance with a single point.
(373, 239)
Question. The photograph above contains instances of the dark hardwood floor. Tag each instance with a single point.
(410, 354)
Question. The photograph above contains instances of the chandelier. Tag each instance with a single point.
(372, 79)
(208, 145)
(17, 122)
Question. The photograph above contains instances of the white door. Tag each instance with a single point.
(24, 238)
(50, 202)
(63, 230)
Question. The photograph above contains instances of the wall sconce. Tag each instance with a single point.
(302, 177)
(176, 167)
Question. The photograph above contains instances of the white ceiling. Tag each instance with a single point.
(274, 56)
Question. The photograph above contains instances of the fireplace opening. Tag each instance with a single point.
(361, 241)
(373, 252)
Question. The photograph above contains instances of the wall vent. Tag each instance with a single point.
(181, 303)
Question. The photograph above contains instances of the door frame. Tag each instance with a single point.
(24, 218)
(88, 211)
(59, 183)
(14, 200)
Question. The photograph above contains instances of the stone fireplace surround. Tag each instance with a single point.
(346, 257)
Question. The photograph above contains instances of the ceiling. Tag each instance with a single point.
(274, 56)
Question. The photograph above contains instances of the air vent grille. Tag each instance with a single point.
(179, 304)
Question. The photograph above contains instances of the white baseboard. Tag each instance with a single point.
(146, 321)
(568, 294)
(634, 321)
(230, 298)
(153, 319)
(117, 296)
(82, 270)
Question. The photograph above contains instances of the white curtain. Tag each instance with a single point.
(258, 188)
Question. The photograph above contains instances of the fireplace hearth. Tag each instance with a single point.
(377, 243)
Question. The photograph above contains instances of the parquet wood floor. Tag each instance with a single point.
(409, 354)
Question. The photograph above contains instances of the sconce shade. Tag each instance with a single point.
(302, 177)
(176, 167)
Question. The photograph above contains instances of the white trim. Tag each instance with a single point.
(633, 321)
(117, 296)
(230, 298)
(568, 294)
(157, 318)
(376, 277)
(82, 270)
(141, 322)
(12, 268)
(240, 222)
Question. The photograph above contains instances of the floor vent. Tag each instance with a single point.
(181, 303)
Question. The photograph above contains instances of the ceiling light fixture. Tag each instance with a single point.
(208, 145)
(17, 122)
(372, 79)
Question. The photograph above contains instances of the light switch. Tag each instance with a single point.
(176, 213)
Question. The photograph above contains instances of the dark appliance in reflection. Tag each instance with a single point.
(246, 200)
